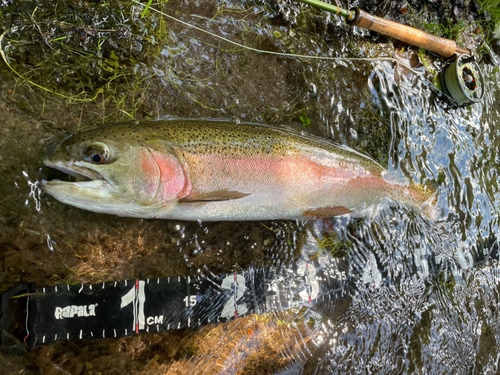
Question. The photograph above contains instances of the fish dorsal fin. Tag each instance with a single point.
(220, 195)
(328, 211)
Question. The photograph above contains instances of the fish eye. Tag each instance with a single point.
(97, 154)
(98, 158)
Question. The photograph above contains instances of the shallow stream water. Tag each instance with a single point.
(420, 296)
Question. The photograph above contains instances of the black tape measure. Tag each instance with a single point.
(117, 309)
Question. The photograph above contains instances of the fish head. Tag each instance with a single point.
(118, 170)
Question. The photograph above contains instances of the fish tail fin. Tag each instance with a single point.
(427, 192)
(430, 208)
(422, 196)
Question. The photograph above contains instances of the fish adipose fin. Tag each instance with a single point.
(328, 211)
(221, 195)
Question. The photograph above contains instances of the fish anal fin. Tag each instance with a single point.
(328, 211)
(220, 195)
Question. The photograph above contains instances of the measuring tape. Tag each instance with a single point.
(117, 309)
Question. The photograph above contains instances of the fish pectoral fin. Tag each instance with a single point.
(220, 195)
(328, 211)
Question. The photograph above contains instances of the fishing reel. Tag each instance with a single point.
(462, 80)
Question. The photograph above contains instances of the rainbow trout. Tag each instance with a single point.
(216, 171)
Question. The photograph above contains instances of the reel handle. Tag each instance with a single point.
(443, 47)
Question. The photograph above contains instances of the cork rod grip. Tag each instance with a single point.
(441, 46)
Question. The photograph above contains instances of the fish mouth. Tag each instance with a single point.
(76, 169)
(91, 191)
(87, 188)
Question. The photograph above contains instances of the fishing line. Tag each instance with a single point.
(327, 58)
(371, 59)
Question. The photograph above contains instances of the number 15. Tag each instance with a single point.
(191, 301)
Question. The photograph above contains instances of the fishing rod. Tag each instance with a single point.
(461, 78)
(356, 17)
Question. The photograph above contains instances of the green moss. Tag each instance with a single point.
(334, 245)
(102, 56)
(424, 60)
(448, 283)
(449, 29)
(441, 177)
(493, 8)
(305, 120)
(420, 336)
